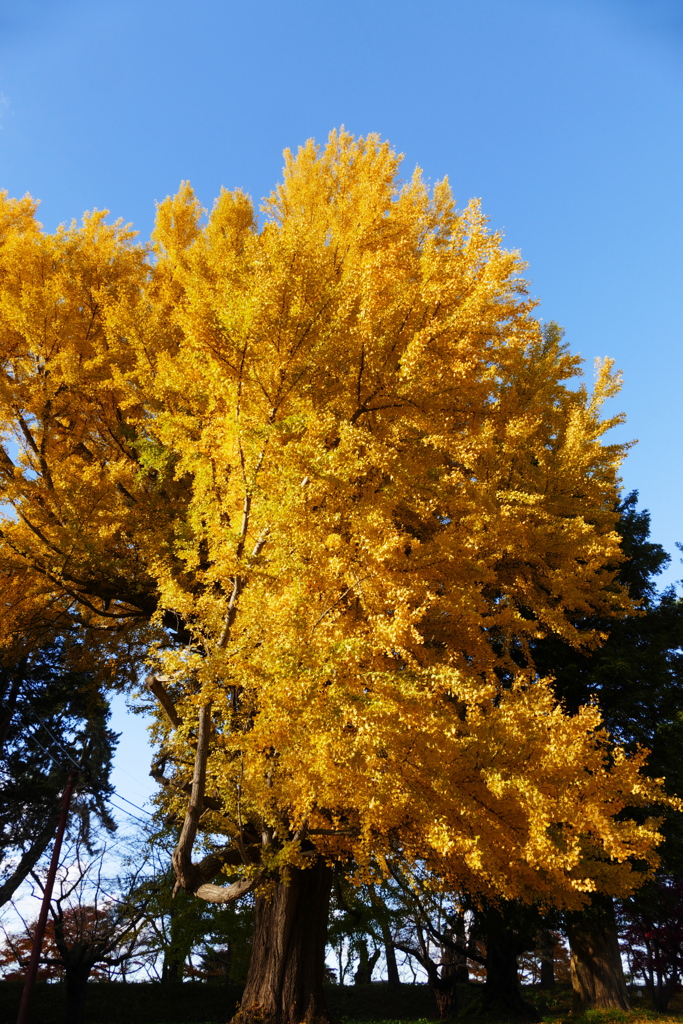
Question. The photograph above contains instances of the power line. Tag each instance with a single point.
(143, 809)
(129, 813)
(118, 796)
(35, 739)
(80, 768)
(118, 768)
(54, 740)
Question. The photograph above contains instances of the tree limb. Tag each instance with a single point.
(28, 861)
(224, 893)
(240, 582)
(185, 870)
(161, 780)
(155, 684)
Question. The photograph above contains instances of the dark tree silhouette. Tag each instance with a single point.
(652, 931)
(95, 925)
(51, 716)
(637, 677)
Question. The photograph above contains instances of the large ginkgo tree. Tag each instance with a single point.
(327, 471)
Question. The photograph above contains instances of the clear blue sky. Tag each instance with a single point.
(565, 117)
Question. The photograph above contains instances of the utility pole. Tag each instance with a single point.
(47, 896)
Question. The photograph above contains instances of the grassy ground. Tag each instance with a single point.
(590, 1017)
(640, 1016)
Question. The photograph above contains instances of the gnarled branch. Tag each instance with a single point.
(185, 870)
(224, 893)
(155, 685)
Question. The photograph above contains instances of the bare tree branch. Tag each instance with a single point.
(155, 684)
(182, 855)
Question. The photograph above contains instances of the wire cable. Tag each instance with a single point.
(143, 809)
(129, 813)
(54, 740)
(31, 691)
(80, 768)
(118, 796)
(32, 736)
(66, 752)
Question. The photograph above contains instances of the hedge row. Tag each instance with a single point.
(118, 1002)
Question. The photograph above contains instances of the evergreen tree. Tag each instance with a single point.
(52, 718)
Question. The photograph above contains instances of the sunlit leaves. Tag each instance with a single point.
(337, 456)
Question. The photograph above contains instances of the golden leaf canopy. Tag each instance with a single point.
(331, 473)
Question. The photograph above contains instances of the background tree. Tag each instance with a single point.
(176, 926)
(184, 937)
(51, 718)
(362, 921)
(435, 933)
(226, 948)
(445, 933)
(547, 965)
(637, 677)
(652, 939)
(331, 472)
(95, 925)
(636, 673)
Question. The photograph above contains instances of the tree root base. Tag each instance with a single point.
(498, 1011)
(256, 1014)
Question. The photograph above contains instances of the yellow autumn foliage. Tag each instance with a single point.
(330, 470)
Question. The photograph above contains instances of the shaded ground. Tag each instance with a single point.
(201, 1003)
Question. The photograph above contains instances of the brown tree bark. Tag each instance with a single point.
(546, 951)
(390, 953)
(29, 859)
(442, 979)
(505, 933)
(287, 968)
(363, 975)
(596, 969)
(502, 995)
(660, 989)
(446, 995)
(458, 960)
(445, 984)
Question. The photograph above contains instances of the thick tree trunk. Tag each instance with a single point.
(176, 951)
(366, 966)
(444, 985)
(546, 951)
(597, 973)
(446, 995)
(502, 995)
(226, 963)
(390, 954)
(76, 984)
(171, 970)
(287, 968)
(458, 961)
(388, 942)
(661, 991)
